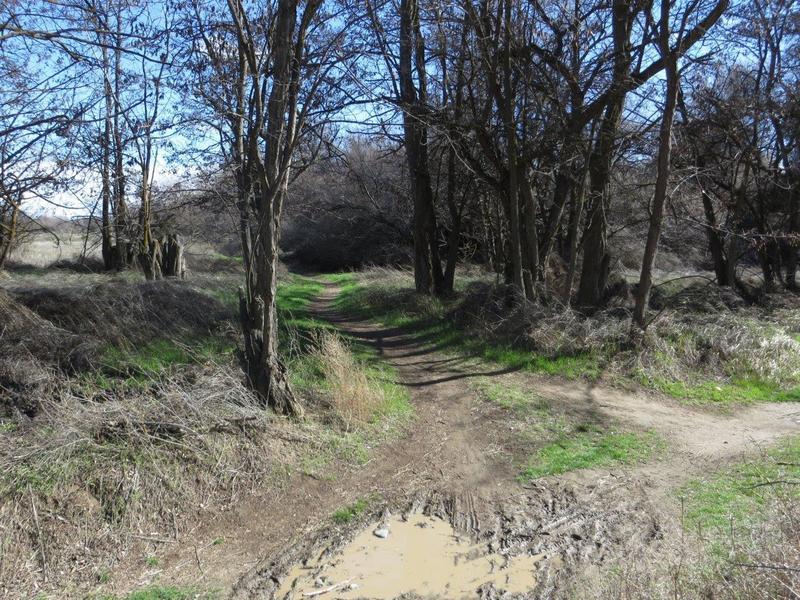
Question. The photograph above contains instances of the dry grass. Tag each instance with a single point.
(125, 421)
(760, 562)
(354, 398)
(88, 481)
(703, 346)
(44, 249)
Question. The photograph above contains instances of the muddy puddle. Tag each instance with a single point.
(421, 555)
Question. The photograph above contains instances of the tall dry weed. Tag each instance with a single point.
(349, 389)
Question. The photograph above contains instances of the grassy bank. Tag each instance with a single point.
(387, 297)
(150, 427)
(704, 357)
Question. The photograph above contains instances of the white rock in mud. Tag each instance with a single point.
(381, 532)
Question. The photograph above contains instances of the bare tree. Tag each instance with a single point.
(276, 68)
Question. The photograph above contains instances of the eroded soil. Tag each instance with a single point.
(456, 463)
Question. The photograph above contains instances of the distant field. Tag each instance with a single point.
(44, 249)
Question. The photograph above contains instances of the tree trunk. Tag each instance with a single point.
(662, 177)
(792, 244)
(514, 249)
(150, 250)
(596, 260)
(563, 190)
(150, 259)
(715, 243)
(263, 185)
(173, 260)
(428, 275)
(106, 231)
(575, 218)
(531, 244)
(9, 218)
(124, 248)
(266, 373)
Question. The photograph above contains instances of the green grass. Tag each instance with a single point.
(552, 444)
(587, 447)
(737, 495)
(137, 366)
(512, 397)
(339, 278)
(296, 294)
(572, 367)
(388, 419)
(397, 306)
(298, 328)
(348, 513)
(737, 391)
(142, 363)
(166, 593)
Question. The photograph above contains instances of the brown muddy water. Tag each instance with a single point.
(422, 555)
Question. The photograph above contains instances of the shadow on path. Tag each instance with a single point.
(409, 348)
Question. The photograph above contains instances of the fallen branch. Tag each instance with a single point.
(778, 482)
(38, 535)
(773, 567)
(328, 589)
(148, 538)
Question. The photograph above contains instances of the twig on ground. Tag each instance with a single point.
(771, 567)
(38, 535)
(778, 482)
(328, 589)
(148, 538)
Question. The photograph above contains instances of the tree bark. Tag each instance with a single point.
(531, 240)
(662, 177)
(173, 261)
(596, 260)
(106, 227)
(263, 181)
(9, 219)
(123, 250)
(428, 277)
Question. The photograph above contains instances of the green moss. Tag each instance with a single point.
(734, 496)
(588, 447)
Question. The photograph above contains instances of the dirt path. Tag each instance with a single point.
(453, 462)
